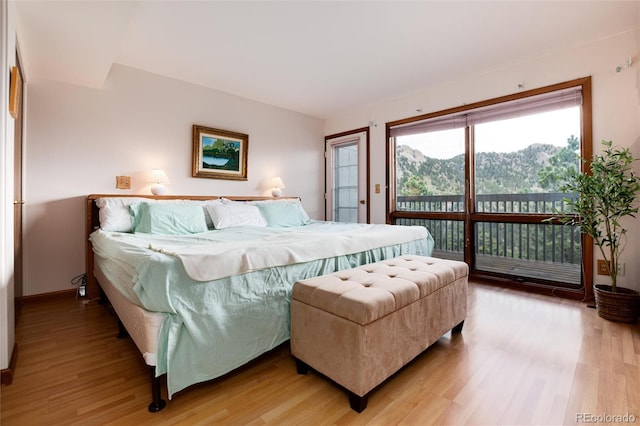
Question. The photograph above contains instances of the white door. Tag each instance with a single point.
(346, 171)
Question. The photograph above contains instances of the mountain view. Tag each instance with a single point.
(536, 168)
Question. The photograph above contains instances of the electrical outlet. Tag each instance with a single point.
(123, 182)
(602, 267)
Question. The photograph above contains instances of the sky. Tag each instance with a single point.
(553, 127)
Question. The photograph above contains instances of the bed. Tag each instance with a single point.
(202, 284)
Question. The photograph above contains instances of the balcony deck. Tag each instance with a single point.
(566, 273)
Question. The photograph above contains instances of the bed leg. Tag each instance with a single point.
(122, 331)
(458, 328)
(103, 300)
(157, 403)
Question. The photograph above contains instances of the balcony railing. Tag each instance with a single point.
(487, 203)
(538, 250)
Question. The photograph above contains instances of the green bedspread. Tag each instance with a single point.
(213, 327)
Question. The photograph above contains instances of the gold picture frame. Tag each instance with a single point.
(15, 90)
(219, 154)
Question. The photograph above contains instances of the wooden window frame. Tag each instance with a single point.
(470, 217)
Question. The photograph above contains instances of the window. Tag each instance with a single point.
(484, 180)
(345, 187)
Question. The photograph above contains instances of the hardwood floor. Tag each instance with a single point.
(521, 359)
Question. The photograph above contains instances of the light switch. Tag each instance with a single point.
(123, 182)
(377, 188)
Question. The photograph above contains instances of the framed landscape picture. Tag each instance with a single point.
(219, 154)
(15, 92)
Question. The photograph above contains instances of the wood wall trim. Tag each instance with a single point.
(6, 375)
(548, 289)
(61, 294)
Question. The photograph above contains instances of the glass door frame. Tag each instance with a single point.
(364, 192)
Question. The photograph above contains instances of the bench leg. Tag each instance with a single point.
(301, 367)
(458, 328)
(358, 403)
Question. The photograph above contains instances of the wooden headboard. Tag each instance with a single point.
(93, 223)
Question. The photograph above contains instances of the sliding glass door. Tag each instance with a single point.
(519, 163)
(430, 179)
(484, 179)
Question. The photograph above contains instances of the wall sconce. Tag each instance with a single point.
(159, 179)
(277, 185)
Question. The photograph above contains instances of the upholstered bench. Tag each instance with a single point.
(359, 326)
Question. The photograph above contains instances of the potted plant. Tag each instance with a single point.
(605, 196)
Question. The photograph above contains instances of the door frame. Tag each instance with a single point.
(346, 135)
(18, 196)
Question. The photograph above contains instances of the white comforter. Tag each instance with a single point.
(227, 252)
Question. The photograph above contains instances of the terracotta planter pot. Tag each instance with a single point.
(621, 306)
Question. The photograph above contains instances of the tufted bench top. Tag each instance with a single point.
(369, 292)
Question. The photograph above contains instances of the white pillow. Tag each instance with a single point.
(115, 215)
(228, 214)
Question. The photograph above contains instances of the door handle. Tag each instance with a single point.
(363, 202)
(16, 202)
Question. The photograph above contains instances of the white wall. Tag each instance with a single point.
(616, 109)
(79, 139)
(7, 60)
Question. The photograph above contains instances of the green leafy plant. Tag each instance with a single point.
(604, 196)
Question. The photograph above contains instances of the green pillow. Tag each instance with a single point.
(283, 213)
(168, 219)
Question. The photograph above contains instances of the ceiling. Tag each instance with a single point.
(319, 58)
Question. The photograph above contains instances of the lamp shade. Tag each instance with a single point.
(159, 176)
(277, 185)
